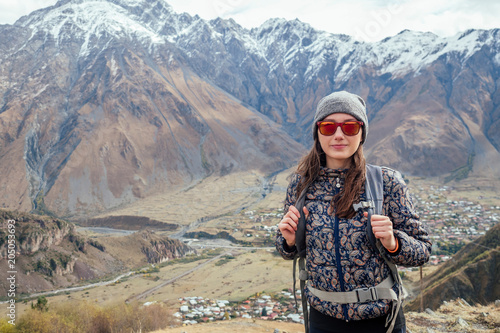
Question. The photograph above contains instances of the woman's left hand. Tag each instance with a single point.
(382, 229)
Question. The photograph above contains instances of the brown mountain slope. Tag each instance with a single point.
(472, 274)
(129, 130)
(428, 118)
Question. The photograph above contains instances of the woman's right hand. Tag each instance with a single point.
(288, 224)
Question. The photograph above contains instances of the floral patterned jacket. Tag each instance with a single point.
(339, 256)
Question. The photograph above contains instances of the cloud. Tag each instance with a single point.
(445, 19)
(11, 11)
(368, 20)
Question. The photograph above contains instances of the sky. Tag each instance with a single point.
(365, 20)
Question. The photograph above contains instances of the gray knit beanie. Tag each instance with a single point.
(342, 102)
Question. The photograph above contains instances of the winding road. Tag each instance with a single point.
(97, 284)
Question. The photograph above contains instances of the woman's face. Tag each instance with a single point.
(339, 147)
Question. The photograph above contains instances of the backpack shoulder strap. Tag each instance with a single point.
(375, 186)
(300, 234)
(374, 191)
(300, 258)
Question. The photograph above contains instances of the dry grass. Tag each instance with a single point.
(83, 316)
(248, 273)
(238, 325)
(212, 196)
(235, 280)
(474, 319)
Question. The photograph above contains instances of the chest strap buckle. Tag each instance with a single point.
(363, 205)
(366, 295)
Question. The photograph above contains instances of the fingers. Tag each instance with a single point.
(379, 221)
(382, 227)
(379, 218)
(306, 212)
(293, 213)
(290, 220)
(288, 225)
(286, 229)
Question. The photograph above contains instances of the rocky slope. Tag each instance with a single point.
(472, 274)
(50, 254)
(108, 101)
(159, 249)
(32, 233)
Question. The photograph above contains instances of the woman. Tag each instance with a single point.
(339, 256)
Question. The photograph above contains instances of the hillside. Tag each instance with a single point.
(472, 274)
(51, 254)
(145, 247)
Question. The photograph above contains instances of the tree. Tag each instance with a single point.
(41, 304)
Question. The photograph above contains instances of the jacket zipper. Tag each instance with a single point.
(339, 264)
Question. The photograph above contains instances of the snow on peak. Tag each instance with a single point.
(409, 51)
(89, 20)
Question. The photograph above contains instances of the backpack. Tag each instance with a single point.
(374, 189)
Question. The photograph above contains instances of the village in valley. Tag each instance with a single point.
(452, 223)
(193, 310)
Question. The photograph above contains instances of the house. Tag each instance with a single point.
(273, 316)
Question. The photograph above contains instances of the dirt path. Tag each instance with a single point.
(144, 294)
(78, 288)
(240, 326)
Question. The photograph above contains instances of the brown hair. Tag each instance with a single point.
(309, 168)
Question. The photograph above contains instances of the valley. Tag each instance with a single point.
(245, 262)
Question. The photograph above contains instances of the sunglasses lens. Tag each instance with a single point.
(327, 128)
(351, 128)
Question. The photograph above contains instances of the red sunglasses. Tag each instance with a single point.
(349, 128)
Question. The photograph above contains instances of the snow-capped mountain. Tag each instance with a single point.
(106, 101)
